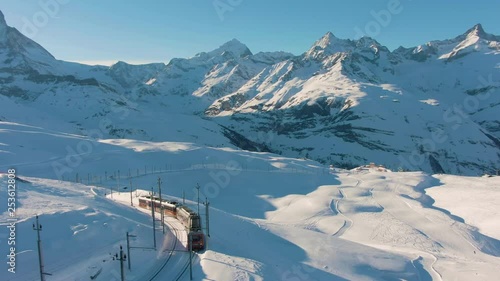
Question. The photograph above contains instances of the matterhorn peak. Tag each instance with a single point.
(478, 32)
(2, 19)
(3, 27)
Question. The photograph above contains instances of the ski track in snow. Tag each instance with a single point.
(347, 221)
(428, 265)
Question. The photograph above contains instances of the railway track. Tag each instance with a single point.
(184, 269)
(157, 272)
(170, 254)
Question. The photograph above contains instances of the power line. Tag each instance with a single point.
(132, 247)
(128, 249)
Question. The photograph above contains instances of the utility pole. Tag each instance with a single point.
(128, 249)
(183, 197)
(130, 186)
(122, 258)
(190, 256)
(153, 216)
(111, 186)
(118, 182)
(207, 205)
(198, 188)
(38, 228)
(161, 207)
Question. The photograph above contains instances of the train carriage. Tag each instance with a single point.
(192, 223)
(170, 207)
(188, 218)
(198, 240)
(145, 202)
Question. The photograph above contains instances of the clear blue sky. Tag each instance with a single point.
(158, 30)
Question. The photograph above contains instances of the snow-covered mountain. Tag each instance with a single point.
(434, 107)
(343, 102)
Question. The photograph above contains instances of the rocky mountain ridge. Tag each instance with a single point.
(342, 102)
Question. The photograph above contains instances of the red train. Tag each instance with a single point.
(190, 219)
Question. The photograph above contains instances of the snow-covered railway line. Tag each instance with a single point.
(178, 257)
(184, 269)
(172, 259)
(177, 263)
(154, 273)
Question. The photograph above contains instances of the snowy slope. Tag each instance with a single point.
(81, 230)
(272, 218)
(468, 198)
